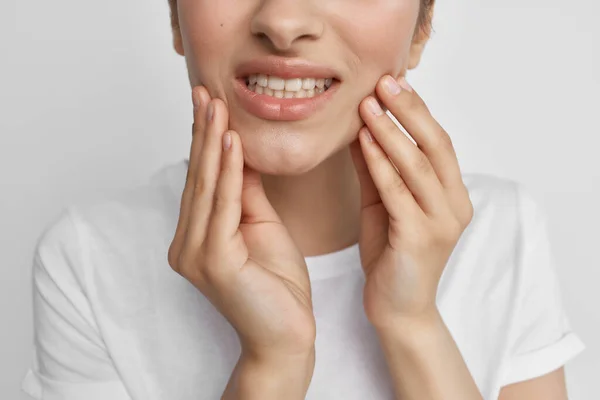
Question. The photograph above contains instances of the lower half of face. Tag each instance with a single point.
(361, 40)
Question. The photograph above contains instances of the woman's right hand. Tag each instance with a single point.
(231, 245)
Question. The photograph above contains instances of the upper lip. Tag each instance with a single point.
(286, 68)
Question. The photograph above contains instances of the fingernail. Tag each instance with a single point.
(226, 141)
(210, 111)
(195, 99)
(374, 107)
(367, 134)
(404, 84)
(391, 85)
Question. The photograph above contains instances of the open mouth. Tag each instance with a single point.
(295, 88)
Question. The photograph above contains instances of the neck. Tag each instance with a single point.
(321, 208)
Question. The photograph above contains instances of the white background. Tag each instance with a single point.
(93, 98)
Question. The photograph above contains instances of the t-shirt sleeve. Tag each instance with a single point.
(541, 339)
(70, 360)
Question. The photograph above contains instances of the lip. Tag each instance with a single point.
(275, 109)
(286, 68)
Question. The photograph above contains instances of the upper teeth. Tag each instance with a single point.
(289, 85)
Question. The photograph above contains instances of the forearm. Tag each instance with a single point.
(425, 362)
(270, 378)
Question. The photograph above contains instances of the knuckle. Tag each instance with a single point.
(421, 164)
(201, 266)
(205, 277)
(465, 206)
(396, 185)
(173, 257)
(470, 212)
(467, 215)
(447, 236)
(219, 202)
(208, 273)
(182, 262)
(454, 231)
(193, 268)
(381, 160)
(199, 185)
(197, 127)
(445, 142)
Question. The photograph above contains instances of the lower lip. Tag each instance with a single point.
(273, 108)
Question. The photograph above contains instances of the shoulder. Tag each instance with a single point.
(484, 264)
(495, 213)
(504, 208)
(504, 255)
(114, 223)
(135, 207)
(487, 190)
(134, 212)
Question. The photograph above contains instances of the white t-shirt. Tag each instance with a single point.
(114, 321)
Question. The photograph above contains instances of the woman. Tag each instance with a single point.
(314, 251)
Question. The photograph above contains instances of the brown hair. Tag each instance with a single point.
(424, 21)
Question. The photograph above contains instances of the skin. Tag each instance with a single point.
(248, 215)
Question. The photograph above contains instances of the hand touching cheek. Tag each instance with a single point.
(231, 244)
(415, 205)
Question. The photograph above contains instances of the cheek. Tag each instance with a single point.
(380, 39)
(206, 27)
(376, 43)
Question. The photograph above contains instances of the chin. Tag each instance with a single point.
(282, 152)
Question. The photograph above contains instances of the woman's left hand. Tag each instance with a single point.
(414, 207)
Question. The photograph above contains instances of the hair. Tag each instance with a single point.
(423, 23)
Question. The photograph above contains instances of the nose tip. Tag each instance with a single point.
(283, 23)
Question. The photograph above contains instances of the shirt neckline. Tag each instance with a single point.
(334, 264)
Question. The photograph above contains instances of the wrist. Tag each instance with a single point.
(273, 359)
(410, 330)
(270, 376)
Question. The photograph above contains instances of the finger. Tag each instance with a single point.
(374, 217)
(227, 207)
(207, 174)
(256, 207)
(368, 191)
(413, 114)
(197, 138)
(395, 195)
(201, 95)
(414, 167)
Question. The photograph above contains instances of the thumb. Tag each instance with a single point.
(256, 207)
(368, 191)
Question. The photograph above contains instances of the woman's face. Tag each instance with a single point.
(360, 40)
